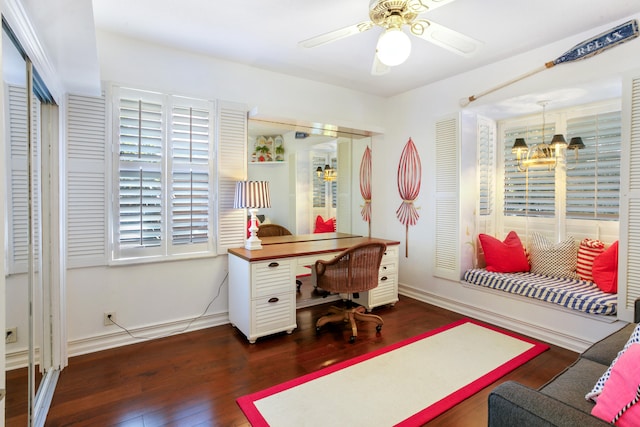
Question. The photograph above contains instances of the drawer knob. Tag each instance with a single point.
(273, 264)
(274, 299)
(383, 278)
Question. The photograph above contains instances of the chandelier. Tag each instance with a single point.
(544, 154)
(328, 173)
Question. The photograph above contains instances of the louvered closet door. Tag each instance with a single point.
(86, 181)
(447, 259)
(17, 191)
(629, 252)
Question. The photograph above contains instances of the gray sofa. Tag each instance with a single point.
(560, 402)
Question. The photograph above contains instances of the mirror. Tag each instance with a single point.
(30, 123)
(288, 154)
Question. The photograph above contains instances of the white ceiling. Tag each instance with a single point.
(265, 34)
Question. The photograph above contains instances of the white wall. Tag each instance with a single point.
(154, 298)
(413, 114)
(159, 298)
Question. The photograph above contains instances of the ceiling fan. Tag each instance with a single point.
(394, 45)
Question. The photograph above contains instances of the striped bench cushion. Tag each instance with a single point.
(571, 293)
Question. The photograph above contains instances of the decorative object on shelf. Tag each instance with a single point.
(278, 144)
(268, 149)
(543, 154)
(586, 49)
(328, 173)
(252, 195)
(409, 180)
(365, 186)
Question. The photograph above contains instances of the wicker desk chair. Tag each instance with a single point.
(267, 230)
(353, 270)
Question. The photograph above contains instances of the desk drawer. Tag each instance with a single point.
(273, 314)
(271, 277)
(388, 268)
(391, 254)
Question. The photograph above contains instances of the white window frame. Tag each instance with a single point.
(558, 225)
(166, 249)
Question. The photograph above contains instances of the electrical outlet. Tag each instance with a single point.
(11, 335)
(109, 318)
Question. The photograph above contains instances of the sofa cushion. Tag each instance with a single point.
(605, 350)
(571, 384)
(597, 389)
(620, 390)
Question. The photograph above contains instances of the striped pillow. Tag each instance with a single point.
(553, 259)
(588, 250)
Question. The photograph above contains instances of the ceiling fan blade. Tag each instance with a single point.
(336, 34)
(378, 68)
(423, 5)
(445, 37)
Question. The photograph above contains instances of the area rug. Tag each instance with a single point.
(404, 384)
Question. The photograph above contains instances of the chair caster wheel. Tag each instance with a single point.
(378, 328)
(352, 340)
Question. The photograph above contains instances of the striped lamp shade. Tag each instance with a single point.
(252, 194)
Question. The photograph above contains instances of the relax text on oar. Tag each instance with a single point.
(586, 49)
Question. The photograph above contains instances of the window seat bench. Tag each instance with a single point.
(580, 295)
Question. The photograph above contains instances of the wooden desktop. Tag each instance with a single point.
(262, 289)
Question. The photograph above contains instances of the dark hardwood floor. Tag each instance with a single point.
(193, 379)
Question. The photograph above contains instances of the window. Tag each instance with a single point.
(324, 192)
(529, 193)
(593, 182)
(164, 179)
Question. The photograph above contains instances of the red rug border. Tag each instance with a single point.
(257, 420)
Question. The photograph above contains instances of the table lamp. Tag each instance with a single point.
(252, 195)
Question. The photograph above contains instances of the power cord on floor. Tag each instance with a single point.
(224, 279)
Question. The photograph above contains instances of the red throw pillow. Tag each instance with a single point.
(605, 269)
(504, 257)
(620, 389)
(588, 250)
(322, 226)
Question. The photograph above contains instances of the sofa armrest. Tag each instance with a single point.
(514, 404)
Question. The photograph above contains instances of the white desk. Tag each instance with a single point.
(262, 290)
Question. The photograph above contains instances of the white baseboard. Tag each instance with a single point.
(121, 338)
(526, 324)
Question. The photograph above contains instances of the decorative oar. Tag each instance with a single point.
(409, 179)
(586, 49)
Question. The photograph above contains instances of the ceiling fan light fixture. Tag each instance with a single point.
(394, 47)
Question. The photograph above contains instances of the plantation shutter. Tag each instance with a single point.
(629, 268)
(319, 185)
(191, 136)
(593, 182)
(87, 178)
(486, 166)
(140, 196)
(18, 191)
(232, 167)
(447, 263)
(532, 192)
